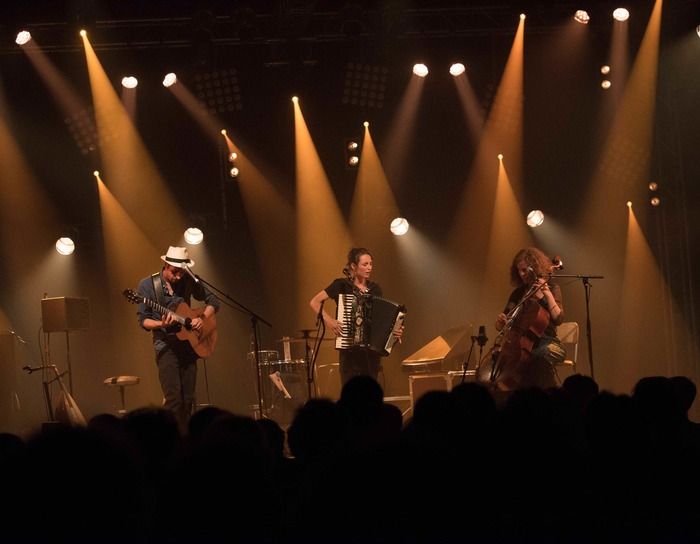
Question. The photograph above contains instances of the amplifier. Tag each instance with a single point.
(419, 384)
(62, 314)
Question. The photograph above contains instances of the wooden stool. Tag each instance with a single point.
(122, 382)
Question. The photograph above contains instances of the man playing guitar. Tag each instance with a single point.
(170, 289)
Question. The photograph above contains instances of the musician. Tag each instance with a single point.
(175, 358)
(531, 268)
(355, 361)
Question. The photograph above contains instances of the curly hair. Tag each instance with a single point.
(540, 263)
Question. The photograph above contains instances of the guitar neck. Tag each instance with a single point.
(162, 309)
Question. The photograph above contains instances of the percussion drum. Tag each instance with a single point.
(279, 378)
(292, 365)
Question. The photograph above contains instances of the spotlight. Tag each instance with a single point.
(234, 172)
(169, 79)
(655, 201)
(697, 29)
(295, 99)
(606, 84)
(96, 173)
(65, 246)
(194, 236)
(352, 153)
(605, 69)
(23, 37)
(653, 186)
(629, 204)
(581, 16)
(129, 82)
(535, 218)
(399, 226)
(522, 16)
(421, 70)
(457, 69)
(500, 156)
(232, 156)
(83, 33)
(621, 14)
(365, 124)
(223, 131)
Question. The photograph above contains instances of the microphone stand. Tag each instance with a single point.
(481, 339)
(587, 293)
(311, 361)
(254, 319)
(465, 365)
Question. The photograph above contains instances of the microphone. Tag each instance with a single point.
(187, 269)
(557, 262)
(531, 271)
(482, 338)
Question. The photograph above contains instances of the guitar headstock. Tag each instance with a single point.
(132, 296)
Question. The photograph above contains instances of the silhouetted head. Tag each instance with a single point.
(656, 399)
(580, 389)
(685, 391)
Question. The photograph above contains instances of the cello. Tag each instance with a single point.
(512, 349)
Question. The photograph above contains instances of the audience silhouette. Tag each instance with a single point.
(566, 464)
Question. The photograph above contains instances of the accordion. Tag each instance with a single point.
(368, 322)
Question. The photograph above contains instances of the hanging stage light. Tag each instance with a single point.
(535, 218)
(457, 69)
(621, 14)
(65, 246)
(23, 37)
(130, 82)
(581, 16)
(421, 70)
(194, 236)
(399, 226)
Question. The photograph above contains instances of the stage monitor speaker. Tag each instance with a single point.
(64, 314)
(420, 384)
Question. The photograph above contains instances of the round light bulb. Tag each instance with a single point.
(65, 246)
(535, 218)
(399, 226)
(194, 236)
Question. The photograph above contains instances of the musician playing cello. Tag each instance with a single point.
(357, 361)
(177, 370)
(533, 327)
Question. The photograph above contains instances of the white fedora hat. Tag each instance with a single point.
(177, 256)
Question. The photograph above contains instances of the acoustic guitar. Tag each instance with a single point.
(203, 341)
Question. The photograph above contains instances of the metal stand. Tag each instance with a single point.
(206, 387)
(254, 319)
(587, 293)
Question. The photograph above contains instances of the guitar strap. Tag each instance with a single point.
(158, 288)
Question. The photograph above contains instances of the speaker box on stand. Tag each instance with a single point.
(65, 314)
